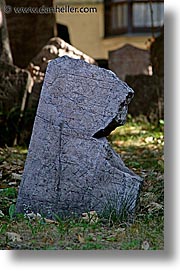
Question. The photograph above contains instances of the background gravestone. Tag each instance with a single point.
(149, 89)
(70, 167)
(14, 84)
(129, 60)
(149, 97)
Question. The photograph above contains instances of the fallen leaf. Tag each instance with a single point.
(14, 237)
(90, 217)
(50, 221)
(154, 206)
(1, 214)
(92, 237)
(161, 163)
(145, 245)
(148, 139)
(16, 176)
(33, 216)
(120, 229)
(111, 238)
(81, 238)
(30, 215)
(12, 183)
(117, 142)
(47, 239)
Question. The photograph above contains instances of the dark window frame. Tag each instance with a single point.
(109, 31)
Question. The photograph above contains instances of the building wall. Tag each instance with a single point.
(87, 29)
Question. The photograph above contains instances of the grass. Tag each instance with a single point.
(140, 145)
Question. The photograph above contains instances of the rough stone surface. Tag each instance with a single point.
(129, 60)
(55, 47)
(70, 167)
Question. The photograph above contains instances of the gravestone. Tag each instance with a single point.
(55, 47)
(71, 168)
(14, 84)
(129, 60)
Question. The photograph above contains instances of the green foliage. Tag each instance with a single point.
(7, 199)
(3, 228)
(11, 211)
(130, 245)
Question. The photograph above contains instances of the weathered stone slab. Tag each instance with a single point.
(13, 83)
(129, 60)
(70, 167)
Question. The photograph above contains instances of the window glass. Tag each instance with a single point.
(132, 16)
(142, 14)
(119, 16)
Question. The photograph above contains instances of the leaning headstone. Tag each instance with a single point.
(129, 60)
(14, 84)
(70, 167)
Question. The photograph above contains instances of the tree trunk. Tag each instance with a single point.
(5, 51)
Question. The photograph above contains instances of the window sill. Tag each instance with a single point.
(135, 34)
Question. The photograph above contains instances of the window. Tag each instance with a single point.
(128, 16)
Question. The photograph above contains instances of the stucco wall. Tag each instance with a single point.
(87, 30)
